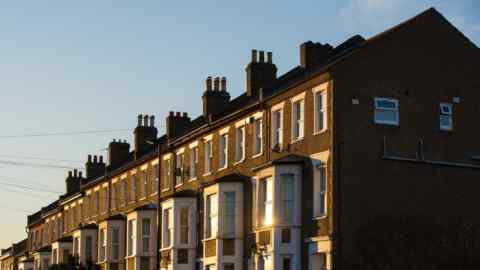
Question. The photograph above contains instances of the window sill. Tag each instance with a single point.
(320, 131)
(223, 168)
(178, 185)
(257, 155)
(297, 140)
(209, 239)
(165, 189)
(239, 162)
(207, 174)
(394, 124)
(320, 217)
(192, 179)
(155, 193)
(142, 198)
(166, 248)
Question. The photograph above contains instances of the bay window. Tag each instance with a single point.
(184, 214)
(146, 235)
(266, 201)
(131, 237)
(167, 227)
(102, 245)
(212, 216)
(287, 191)
(229, 229)
(88, 248)
(115, 243)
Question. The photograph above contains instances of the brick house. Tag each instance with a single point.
(284, 175)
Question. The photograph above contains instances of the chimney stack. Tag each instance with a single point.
(260, 73)
(94, 168)
(313, 54)
(215, 100)
(118, 153)
(177, 123)
(74, 181)
(144, 133)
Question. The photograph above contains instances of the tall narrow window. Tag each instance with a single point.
(146, 235)
(193, 162)
(143, 178)
(257, 136)
(97, 202)
(133, 188)
(167, 174)
(298, 116)
(184, 213)
(277, 129)
(240, 144)
(124, 192)
(286, 263)
(208, 156)
(320, 191)
(212, 216)
(320, 111)
(155, 178)
(102, 241)
(76, 243)
(446, 119)
(229, 230)
(287, 191)
(386, 111)
(105, 199)
(266, 201)
(115, 243)
(223, 155)
(167, 227)
(88, 248)
(114, 195)
(179, 169)
(131, 237)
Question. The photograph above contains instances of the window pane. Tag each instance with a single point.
(229, 213)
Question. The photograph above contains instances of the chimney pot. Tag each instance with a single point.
(152, 120)
(269, 57)
(114, 140)
(171, 113)
(139, 123)
(178, 114)
(185, 114)
(254, 56)
(145, 120)
(89, 159)
(216, 84)
(208, 83)
(95, 159)
(223, 84)
(75, 173)
(80, 174)
(261, 57)
(101, 159)
(69, 173)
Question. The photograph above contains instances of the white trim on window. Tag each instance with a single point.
(320, 90)
(446, 116)
(386, 111)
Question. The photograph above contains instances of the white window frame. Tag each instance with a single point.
(229, 215)
(179, 165)
(320, 109)
(143, 175)
(168, 172)
(131, 243)
(192, 173)
(102, 240)
(184, 227)
(277, 127)
(257, 136)
(208, 156)
(115, 244)
(146, 236)
(446, 112)
(378, 109)
(320, 191)
(300, 120)
(240, 144)
(167, 239)
(223, 151)
(266, 201)
(211, 211)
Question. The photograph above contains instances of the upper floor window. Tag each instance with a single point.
(277, 128)
(156, 174)
(240, 144)
(167, 227)
(184, 214)
(223, 154)
(131, 237)
(97, 202)
(446, 113)
(167, 174)
(146, 235)
(266, 201)
(212, 216)
(208, 156)
(193, 162)
(143, 183)
(257, 136)
(298, 116)
(229, 229)
(133, 187)
(320, 191)
(320, 103)
(386, 111)
(287, 197)
(124, 191)
(179, 169)
(114, 195)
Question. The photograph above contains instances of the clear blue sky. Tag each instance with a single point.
(91, 65)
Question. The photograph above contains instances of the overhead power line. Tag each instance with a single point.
(30, 188)
(39, 158)
(48, 134)
(37, 165)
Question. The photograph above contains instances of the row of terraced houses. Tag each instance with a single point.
(284, 175)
